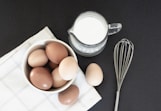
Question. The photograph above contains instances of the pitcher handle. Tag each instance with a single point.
(113, 28)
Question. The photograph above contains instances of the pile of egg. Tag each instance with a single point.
(52, 67)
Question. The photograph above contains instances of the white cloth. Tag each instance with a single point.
(17, 95)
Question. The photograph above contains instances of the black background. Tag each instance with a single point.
(141, 20)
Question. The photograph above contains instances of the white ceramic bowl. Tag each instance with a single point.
(26, 68)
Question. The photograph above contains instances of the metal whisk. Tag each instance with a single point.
(123, 54)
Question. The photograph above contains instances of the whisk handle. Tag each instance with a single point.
(117, 100)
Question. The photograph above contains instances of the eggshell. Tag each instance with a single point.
(69, 96)
(57, 80)
(41, 78)
(56, 52)
(68, 68)
(94, 74)
(37, 58)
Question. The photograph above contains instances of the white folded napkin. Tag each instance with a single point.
(17, 95)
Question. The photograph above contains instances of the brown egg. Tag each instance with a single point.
(56, 52)
(37, 58)
(57, 80)
(94, 74)
(69, 96)
(53, 65)
(41, 78)
(68, 68)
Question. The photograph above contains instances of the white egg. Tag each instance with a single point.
(37, 58)
(94, 74)
(68, 68)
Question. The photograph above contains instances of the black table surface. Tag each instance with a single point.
(141, 20)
